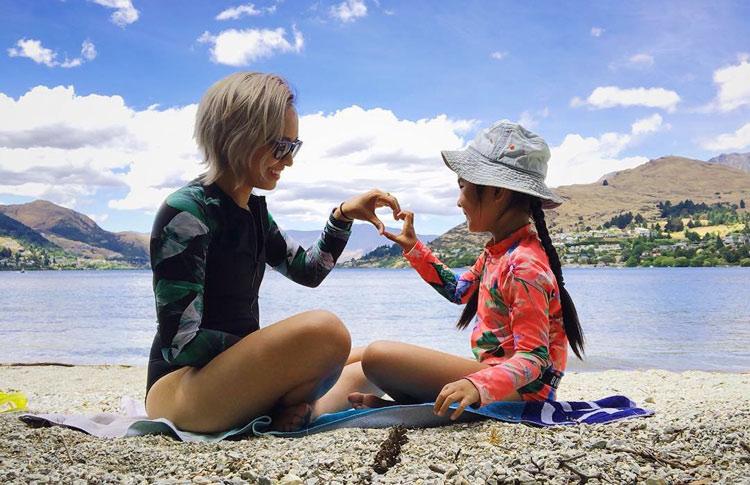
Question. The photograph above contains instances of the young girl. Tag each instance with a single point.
(525, 317)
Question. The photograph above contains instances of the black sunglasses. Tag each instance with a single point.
(282, 148)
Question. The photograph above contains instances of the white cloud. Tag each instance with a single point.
(647, 125)
(90, 145)
(88, 50)
(499, 55)
(241, 47)
(125, 13)
(93, 143)
(34, 50)
(612, 96)
(641, 60)
(233, 13)
(597, 31)
(583, 160)
(739, 140)
(98, 218)
(356, 149)
(531, 120)
(349, 10)
(733, 83)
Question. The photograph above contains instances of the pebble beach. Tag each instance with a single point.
(700, 434)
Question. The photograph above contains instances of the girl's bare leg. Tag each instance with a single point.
(411, 374)
(284, 366)
(352, 380)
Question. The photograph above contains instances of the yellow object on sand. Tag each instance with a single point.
(12, 401)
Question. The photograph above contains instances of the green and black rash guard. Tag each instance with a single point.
(208, 258)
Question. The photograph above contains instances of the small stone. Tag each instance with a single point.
(650, 400)
(525, 477)
(437, 468)
(599, 445)
(614, 444)
(291, 479)
(451, 472)
(264, 481)
(249, 476)
(655, 481)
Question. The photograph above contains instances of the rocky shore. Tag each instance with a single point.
(700, 435)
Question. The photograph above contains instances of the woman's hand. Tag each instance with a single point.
(462, 392)
(408, 238)
(363, 207)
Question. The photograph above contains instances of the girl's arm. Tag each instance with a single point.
(455, 289)
(307, 266)
(528, 289)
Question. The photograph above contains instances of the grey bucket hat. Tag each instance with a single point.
(506, 155)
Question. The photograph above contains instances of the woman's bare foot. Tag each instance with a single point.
(292, 418)
(360, 400)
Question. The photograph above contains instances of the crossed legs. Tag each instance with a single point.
(282, 368)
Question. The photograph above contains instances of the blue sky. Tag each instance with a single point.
(97, 97)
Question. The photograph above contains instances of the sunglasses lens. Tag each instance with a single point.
(284, 148)
(281, 151)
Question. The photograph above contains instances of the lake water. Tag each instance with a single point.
(669, 318)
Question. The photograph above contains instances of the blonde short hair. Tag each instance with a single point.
(236, 116)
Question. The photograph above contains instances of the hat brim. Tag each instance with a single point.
(473, 168)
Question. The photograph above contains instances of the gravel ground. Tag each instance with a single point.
(700, 435)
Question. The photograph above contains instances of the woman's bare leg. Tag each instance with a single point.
(411, 374)
(286, 365)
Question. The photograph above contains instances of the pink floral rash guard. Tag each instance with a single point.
(518, 329)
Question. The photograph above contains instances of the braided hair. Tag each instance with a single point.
(570, 316)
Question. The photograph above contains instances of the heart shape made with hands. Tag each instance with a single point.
(407, 238)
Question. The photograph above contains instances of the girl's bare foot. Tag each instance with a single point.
(360, 400)
(292, 418)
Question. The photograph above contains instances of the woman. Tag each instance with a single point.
(211, 367)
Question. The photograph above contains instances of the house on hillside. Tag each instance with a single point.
(736, 239)
(641, 232)
(607, 248)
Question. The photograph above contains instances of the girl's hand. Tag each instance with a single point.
(408, 238)
(462, 392)
(363, 207)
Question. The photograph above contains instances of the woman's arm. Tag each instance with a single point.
(307, 266)
(455, 289)
(310, 266)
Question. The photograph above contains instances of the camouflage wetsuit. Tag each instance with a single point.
(208, 257)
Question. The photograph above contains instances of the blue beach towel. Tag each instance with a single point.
(547, 413)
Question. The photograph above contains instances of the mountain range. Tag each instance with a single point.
(637, 190)
(735, 160)
(724, 178)
(363, 239)
(50, 226)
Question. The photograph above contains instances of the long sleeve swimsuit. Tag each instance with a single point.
(518, 329)
(208, 258)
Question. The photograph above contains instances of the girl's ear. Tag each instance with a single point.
(500, 194)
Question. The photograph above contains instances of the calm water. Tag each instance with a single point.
(671, 318)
